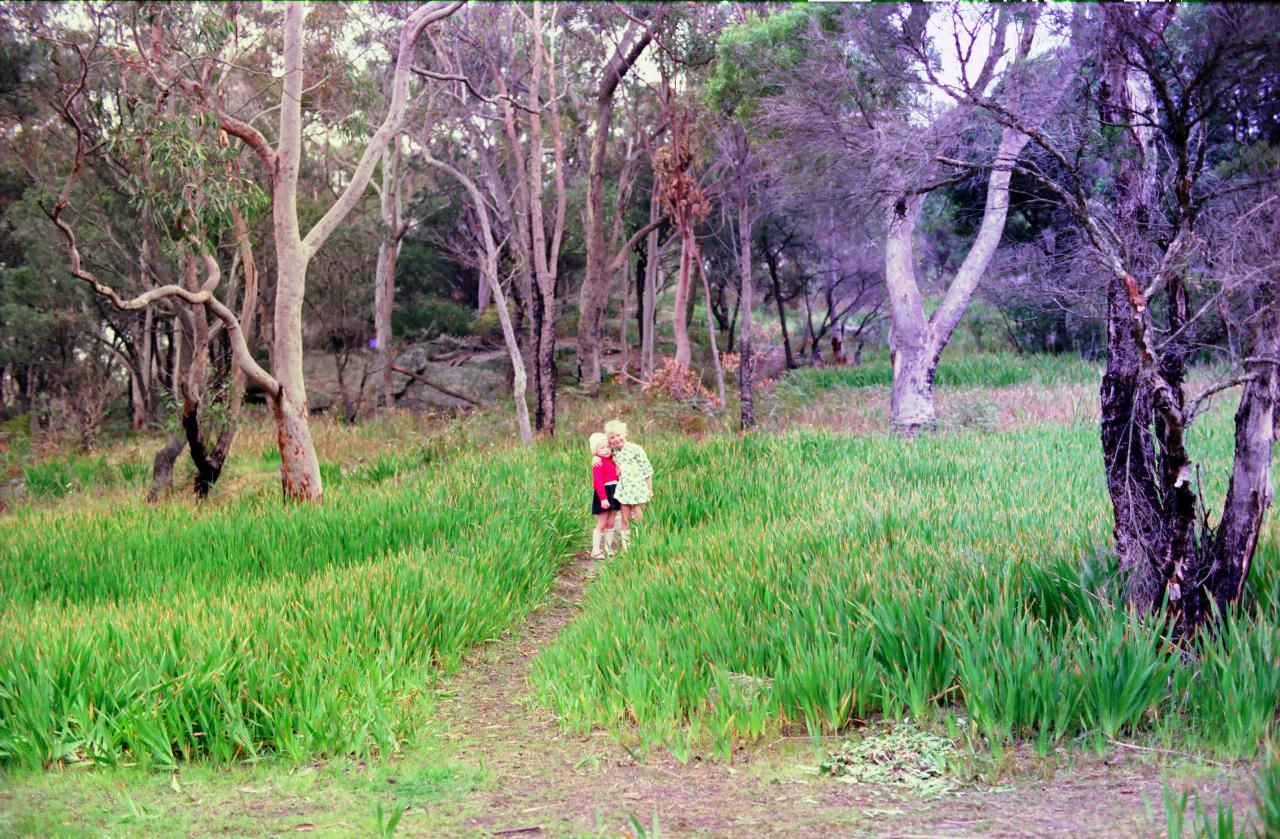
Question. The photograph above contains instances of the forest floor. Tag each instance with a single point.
(497, 764)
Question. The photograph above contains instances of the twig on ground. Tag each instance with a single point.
(1188, 755)
(533, 828)
(446, 391)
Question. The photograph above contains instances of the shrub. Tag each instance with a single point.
(432, 318)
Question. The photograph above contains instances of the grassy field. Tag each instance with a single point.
(992, 369)
(961, 579)
(796, 584)
(234, 631)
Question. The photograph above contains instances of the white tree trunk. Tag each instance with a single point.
(385, 276)
(711, 329)
(299, 466)
(916, 342)
(912, 397)
(489, 278)
(746, 301)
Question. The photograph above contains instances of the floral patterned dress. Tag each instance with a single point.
(634, 471)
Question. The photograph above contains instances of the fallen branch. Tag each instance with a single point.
(533, 828)
(446, 391)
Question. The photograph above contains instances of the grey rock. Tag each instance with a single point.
(475, 383)
(318, 401)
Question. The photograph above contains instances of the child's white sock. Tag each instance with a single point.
(608, 540)
(626, 537)
(597, 540)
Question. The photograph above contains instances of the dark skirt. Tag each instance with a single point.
(596, 509)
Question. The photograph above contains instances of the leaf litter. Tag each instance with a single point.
(902, 756)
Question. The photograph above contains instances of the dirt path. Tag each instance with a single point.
(543, 782)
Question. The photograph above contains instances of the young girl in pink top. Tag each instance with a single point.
(604, 482)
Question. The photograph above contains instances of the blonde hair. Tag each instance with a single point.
(595, 441)
(616, 427)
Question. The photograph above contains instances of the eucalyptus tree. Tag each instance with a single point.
(502, 71)
(1169, 177)
(172, 69)
(847, 107)
(636, 35)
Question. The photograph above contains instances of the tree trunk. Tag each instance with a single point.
(648, 303)
(299, 466)
(716, 364)
(546, 255)
(162, 466)
(771, 261)
(1130, 460)
(385, 275)
(137, 399)
(622, 328)
(489, 277)
(916, 342)
(248, 318)
(746, 300)
(483, 298)
(1249, 493)
(596, 283)
(911, 400)
(145, 369)
(545, 348)
(684, 354)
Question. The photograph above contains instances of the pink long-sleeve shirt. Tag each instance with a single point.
(604, 473)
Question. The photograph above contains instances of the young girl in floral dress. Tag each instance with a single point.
(635, 476)
(604, 504)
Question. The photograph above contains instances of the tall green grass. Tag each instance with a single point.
(955, 579)
(973, 369)
(152, 635)
(56, 477)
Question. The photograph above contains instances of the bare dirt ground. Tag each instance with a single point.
(548, 783)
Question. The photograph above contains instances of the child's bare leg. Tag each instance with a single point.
(627, 512)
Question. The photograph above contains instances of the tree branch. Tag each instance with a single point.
(418, 21)
(616, 263)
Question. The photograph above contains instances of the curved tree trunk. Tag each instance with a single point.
(299, 467)
(911, 401)
(162, 466)
(1249, 493)
(917, 342)
(489, 278)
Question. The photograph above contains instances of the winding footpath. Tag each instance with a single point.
(543, 782)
